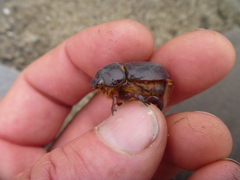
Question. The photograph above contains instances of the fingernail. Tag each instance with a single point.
(132, 128)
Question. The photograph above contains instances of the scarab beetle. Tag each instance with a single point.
(144, 81)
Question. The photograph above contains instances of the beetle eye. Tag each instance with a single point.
(96, 81)
(112, 74)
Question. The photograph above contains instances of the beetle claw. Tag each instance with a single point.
(156, 101)
(141, 98)
(146, 103)
(114, 103)
(113, 109)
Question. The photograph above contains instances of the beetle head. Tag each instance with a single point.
(96, 82)
(111, 75)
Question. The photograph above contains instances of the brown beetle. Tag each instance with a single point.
(144, 81)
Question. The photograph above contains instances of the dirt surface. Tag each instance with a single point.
(31, 28)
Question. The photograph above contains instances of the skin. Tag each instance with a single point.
(55, 82)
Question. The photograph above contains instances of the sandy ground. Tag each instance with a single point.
(31, 28)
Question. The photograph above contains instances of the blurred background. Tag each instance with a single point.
(31, 28)
(28, 29)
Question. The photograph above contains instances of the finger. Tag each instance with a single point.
(128, 145)
(218, 170)
(195, 139)
(43, 94)
(195, 60)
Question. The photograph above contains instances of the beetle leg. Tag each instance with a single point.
(141, 98)
(114, 103)
(156, 101)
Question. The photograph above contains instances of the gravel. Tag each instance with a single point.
(31, 28)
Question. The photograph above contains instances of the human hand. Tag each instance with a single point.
(132, 144)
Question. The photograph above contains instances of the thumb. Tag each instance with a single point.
(128, 145)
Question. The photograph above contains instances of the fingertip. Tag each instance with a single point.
(200, 138)
(199, 45)
(215, 42)
(133, 128)
(195, 60)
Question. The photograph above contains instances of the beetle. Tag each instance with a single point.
(144, 81)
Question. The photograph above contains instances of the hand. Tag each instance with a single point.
(132, 143)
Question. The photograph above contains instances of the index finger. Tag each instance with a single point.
(34, 108)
